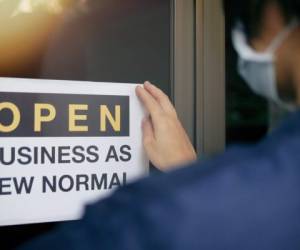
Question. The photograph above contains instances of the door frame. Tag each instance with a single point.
(198, 71)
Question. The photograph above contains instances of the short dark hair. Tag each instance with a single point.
(249, 12)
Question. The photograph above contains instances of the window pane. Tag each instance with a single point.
(107, 40)
(103, 40)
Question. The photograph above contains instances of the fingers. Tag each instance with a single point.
(164, 138)
(148, 137)
(161, 98)
(148, 132)
(150, 103)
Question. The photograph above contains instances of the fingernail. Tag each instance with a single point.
(147, 82)
(138, 90)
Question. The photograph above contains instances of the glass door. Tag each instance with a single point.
(106, 40)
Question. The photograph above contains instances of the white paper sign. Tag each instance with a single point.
(64, 144)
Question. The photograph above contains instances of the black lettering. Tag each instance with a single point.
(115, 181)
(36, 155)
(99, 184)
(91, 150)
(70, 183)
(112, 154)
(124, 179)
(24, 154)
(62, 154)
(11, 158)
(82, 180)
(125, 151)
(79, 156)
(50, 156)
(47, 183)
(23, 184)
(4, 185)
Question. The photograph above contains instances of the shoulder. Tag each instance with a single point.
(257, 173)
(245, 197)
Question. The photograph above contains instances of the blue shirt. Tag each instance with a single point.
(248, 198)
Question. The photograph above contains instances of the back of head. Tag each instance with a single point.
(249, 12)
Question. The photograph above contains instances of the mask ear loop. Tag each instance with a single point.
(242, 47)
(274, 46)
(239, 39)
(282, 36)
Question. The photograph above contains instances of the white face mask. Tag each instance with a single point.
(258, 68)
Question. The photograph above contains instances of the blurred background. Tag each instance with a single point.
(119, 41)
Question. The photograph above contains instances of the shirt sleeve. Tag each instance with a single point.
(236, 201)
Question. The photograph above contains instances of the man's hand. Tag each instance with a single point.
(164, 138)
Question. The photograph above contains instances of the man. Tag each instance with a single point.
(247, 198)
